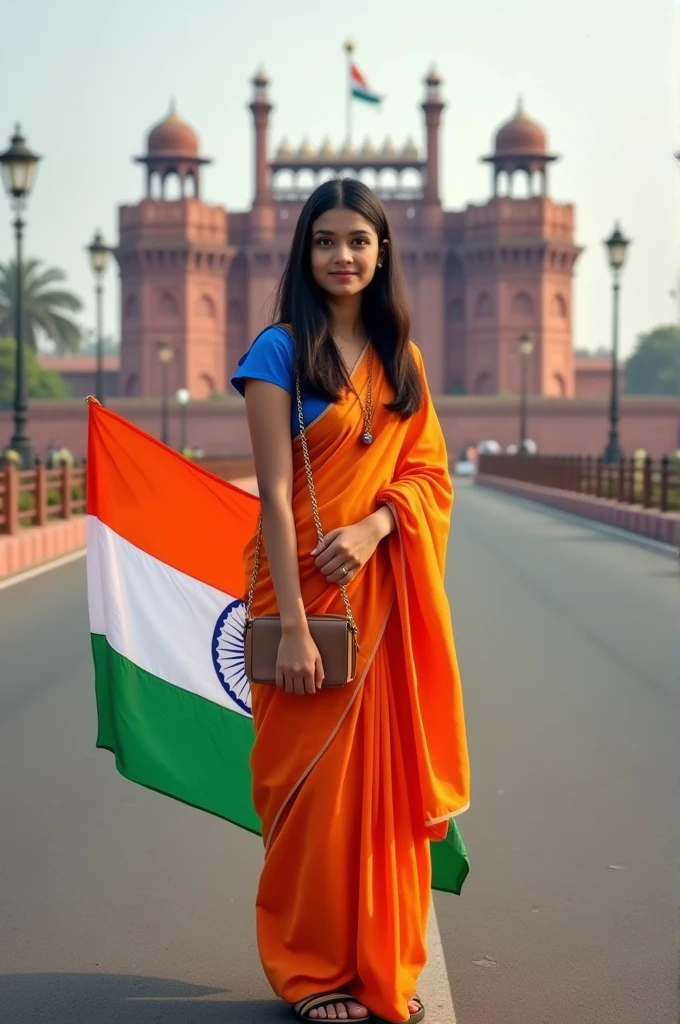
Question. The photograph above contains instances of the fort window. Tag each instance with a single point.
(206, 386)
(206, 307)
(559, 307)
(167, 304)
(484, 384)
(484, 306)
(522, 304)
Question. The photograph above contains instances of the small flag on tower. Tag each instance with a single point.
(360, 88)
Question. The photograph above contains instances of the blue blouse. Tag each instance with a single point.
(270, 358)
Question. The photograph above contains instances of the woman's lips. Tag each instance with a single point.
(343, 273)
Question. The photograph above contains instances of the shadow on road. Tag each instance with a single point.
(125, 999)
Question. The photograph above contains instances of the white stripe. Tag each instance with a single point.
(159, 618)
(95, 597)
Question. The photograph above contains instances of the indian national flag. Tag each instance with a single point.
(165, 582)
(360, 88)
(165, 586)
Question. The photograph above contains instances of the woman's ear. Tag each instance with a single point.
(382, 252)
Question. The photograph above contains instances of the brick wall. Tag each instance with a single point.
(219, 428)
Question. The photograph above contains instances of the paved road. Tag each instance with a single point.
(118, 906)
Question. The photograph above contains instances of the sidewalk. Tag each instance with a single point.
(648, 522)
(38, 544)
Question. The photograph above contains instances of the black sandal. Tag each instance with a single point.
(327, 999)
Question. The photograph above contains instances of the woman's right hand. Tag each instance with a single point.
(298, 663)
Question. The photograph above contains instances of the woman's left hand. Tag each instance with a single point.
(348, 546)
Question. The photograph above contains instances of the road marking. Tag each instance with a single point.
(38, 570)
(433, 987)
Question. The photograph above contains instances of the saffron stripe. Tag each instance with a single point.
(153, 497)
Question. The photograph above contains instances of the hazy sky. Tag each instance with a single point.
(88, 80)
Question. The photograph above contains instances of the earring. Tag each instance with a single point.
(380, 265)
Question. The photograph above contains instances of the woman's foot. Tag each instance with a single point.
(346, 1010)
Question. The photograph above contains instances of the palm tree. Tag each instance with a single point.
(44, 306)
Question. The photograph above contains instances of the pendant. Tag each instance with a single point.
(367, 437)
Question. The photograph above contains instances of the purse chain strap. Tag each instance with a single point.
(317, 522)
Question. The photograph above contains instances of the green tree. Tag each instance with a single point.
(45, 306)
(88, 344)
(654, 367)
(41, 383)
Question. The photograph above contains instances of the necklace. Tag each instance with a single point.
(366, 410)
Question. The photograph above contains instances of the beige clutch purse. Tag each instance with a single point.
(336, 636)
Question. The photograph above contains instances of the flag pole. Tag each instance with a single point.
(349, 50)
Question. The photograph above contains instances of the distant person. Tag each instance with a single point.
(53, 456)
(350, 783)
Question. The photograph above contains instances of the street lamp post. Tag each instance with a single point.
(165, 353)
(18, 165)
(526, 347)
(617, 244)
(182, 396)
(99, 259)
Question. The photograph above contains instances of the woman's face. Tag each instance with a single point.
(345, 250)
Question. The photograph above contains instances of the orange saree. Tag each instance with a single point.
(351, 784)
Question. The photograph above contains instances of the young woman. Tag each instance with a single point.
(351, 784)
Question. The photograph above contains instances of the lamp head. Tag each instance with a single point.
(99, 253)
(165, 352)
(617, 245)
(18, 165)
(526, 345)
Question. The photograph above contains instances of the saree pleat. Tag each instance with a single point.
(351, 785)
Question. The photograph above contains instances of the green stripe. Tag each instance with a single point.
(369, 97)
(189, 748)
(173, 741)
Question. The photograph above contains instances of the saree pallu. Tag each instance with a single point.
(352, 784)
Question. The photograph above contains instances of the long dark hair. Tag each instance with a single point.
(301, 303)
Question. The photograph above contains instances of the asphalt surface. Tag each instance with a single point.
(118, 906)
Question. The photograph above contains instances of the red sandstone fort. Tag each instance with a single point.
(201, 277)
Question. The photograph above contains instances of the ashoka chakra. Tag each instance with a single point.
(228, 654)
